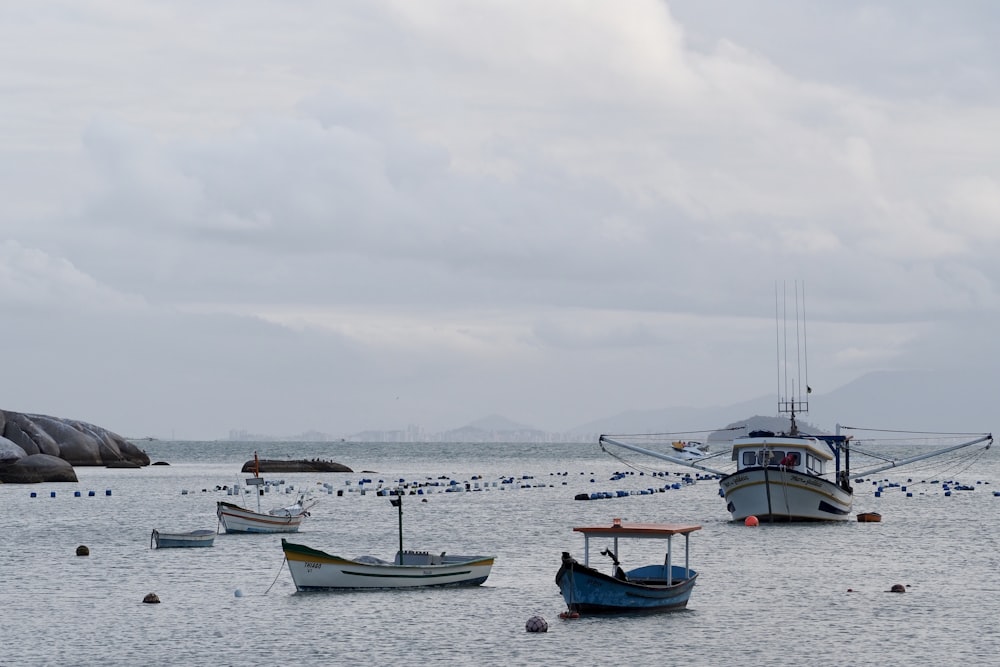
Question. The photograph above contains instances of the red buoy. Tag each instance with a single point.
(751, 521)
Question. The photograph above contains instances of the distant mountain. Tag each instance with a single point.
(760, 423)
(949, 401)
(952, 401)
(666, 420)
(494, 428)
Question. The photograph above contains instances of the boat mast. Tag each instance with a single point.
(788, 399)
(397, 502)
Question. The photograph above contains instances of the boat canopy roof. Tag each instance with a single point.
(638, 530)
(814, 445)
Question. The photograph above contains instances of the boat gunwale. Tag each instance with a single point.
(304, 554)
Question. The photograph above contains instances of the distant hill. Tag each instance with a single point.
(493, 428)
(677, 418)
(950, 401)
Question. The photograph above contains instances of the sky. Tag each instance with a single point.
(282, 216)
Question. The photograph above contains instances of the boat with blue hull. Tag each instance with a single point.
(649, 588)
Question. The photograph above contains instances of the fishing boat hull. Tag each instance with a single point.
(773, 494)
(646, 589)
(315, 570)
(194, 538)
(236, 519)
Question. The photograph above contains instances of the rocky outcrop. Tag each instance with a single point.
(301, 465)
(75, 443)
(37, 468)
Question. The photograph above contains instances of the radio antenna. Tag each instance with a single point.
(791, 400)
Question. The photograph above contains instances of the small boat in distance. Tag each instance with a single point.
(236, 519)
(194, 538)
(689, 449)
(869, 517)
(649, 588)
(315, 570)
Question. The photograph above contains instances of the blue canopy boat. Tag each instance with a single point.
(658, 587)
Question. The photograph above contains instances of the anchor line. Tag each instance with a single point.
(283, 561)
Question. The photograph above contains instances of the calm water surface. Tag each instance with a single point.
(772, 595)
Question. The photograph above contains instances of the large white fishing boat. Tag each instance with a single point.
(793, 476)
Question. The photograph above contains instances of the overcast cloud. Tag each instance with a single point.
(282, 216)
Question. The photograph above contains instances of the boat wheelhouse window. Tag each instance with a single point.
(813, 464)
(763, 457)
(790, 460)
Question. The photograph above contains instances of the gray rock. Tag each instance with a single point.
(72, 441)
(10, 452)
(37, 468)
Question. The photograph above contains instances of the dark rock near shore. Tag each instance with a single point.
(37, 468)
(24, 437)
(300, 465)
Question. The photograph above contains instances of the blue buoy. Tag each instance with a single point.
(52, 494)
(76, 494)
(107, 492)
(35, 495)
(90, 493)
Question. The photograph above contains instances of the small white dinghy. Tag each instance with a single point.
(194, 538)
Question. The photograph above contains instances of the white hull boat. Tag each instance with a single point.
(315, 570)
(194, 538)
(780, 478)
(794, 476)
(236, 519)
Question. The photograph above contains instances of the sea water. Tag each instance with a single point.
(800, 594)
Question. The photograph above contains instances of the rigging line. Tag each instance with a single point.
(629, 464)
(671, 433)
(805, 341)
(784, 314)
(777, 338)
(798, 354)
(887, 430)
(932, 465)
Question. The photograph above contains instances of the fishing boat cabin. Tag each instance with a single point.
(805, 454)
